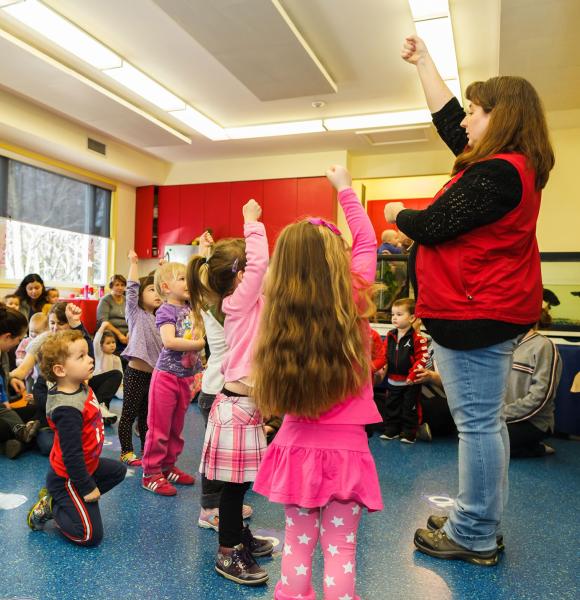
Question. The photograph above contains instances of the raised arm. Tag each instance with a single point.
(249, 289)
(437, 93)
(364, 241)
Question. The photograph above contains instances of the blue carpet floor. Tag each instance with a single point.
(153, 548)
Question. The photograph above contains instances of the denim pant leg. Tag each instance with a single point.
(475, 384)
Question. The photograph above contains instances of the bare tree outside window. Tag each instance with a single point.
(56, 255)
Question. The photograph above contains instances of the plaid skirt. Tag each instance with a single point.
(234, 442)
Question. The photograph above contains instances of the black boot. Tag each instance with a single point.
(256, 546)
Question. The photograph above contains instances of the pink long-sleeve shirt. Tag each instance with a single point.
(244, 307)
(359, 409)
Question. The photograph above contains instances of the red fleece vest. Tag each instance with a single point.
(491, 272)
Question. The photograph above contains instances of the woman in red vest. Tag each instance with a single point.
(478, 281)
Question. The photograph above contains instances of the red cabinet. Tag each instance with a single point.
(192, 210)
(216, 213)
(316, 198)
(241, 192)
(279, 206)
(185, 211)
(169, 220)
(144, 206)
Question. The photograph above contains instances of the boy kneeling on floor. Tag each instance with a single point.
(77, 476)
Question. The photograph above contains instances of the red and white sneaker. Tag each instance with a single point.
(175, 475)
(158, 485)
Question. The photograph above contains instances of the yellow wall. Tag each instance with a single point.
(559, 222)
(255, 167)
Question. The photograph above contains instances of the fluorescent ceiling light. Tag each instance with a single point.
(144, 86)
(4, 3)
(63, 33)
(438, 36)
(200, 123)
(428, 9)
(393, 119)
(274, 129)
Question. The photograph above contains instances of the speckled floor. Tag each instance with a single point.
(153, 548)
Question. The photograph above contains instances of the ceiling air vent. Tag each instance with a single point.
(97, 146)
(395, 135)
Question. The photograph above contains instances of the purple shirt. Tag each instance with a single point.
(144, 339)
(181, 364)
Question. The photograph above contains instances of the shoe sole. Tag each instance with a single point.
(500, 545)
(405, 441)
(29, 521)
(241, 581)
(206, 525)
(386, 437)
(458, 555)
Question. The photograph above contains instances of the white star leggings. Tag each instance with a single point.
(336, 525)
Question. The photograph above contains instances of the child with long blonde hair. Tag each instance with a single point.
(312, 364)
(231, 280)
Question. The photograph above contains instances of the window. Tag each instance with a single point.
(52, 225)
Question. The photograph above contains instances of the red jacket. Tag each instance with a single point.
(491, 272)
(403, 356)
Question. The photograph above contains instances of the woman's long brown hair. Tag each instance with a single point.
(312, 350)
(517, 124)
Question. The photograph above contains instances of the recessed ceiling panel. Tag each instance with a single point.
(256, 41)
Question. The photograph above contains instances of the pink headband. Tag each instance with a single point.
(331, 226)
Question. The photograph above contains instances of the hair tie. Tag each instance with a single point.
(331, 226)
(235, 265)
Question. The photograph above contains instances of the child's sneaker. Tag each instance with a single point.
(158, 485)
(131, 459)
(109, 418)
(256, 546)
(41, 511)
(424, 433)
(209, 519)
(407, 438)
(240, 566)
(175, 475)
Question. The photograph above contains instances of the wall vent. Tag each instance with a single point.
(96, 146)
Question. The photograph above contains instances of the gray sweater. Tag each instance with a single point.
(533, 382)
(109, 310)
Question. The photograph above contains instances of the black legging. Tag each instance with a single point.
(231, 519)
(135, 402)
(105, 385)
(211, 489)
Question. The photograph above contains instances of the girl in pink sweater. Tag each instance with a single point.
(231, 280)
(313, 364)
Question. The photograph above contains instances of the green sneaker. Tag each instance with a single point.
(437, 522)
(41, 511)
(437, 544)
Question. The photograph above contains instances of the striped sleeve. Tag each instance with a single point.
(545, 375)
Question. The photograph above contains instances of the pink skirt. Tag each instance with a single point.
(310, 464)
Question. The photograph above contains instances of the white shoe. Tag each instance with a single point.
(105, 412)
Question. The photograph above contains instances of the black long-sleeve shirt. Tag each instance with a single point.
(485, 193)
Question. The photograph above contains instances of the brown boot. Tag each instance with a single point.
(240, 566)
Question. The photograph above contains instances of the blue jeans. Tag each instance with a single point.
(475, 383)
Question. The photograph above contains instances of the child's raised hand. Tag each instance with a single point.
(339, 177)
(93, 496)
(133, 257)
(73, 314)
(206, 240)
(251, 211)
